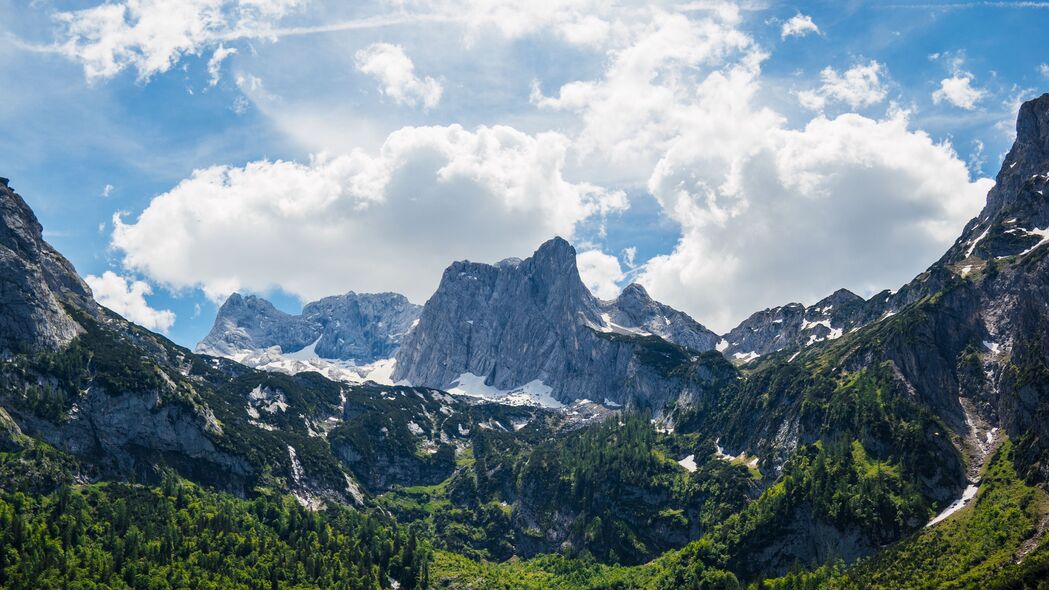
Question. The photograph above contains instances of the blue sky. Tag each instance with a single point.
(729, 156)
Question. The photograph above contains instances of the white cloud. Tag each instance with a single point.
(128, 298)
(600, 272)
(150, 36)
(390, 220)
(860, 86)
(582, 22)
(630, 256)
(959, 91)
(215, 63)
(652, 87)
(107, 190)
(849, 201)
(1043, 69)
(768, 213)
(798, 25)
(392, 67)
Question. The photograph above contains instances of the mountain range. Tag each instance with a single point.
(517, 432)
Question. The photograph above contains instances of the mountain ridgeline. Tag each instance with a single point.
(899, 441)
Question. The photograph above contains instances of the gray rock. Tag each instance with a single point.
(795, 326)
(359, 327)
(524, 320)
(35, 281)
(634, 308)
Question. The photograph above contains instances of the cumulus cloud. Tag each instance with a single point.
(650, 87)
(798, 25)
(150, 36)
(390, 220)
(128, 298)
(959, 91)
(850, 201)
(859, 86)
(768, 212)
(394, 70)
(1043, 69)
(600, 272)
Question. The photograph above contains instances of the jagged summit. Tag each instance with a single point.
(635, 308)
(359, 327)
(534, 325)
(36, 282)
(1015, 219)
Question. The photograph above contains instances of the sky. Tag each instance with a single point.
(728, 156)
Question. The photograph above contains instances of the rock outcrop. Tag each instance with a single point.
(36, 282)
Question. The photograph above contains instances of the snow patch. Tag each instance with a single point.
(296, 467)
(307, 353)
(533, 393)
(610, 327)
(972, 247)
(689, 463)
(967, 496)
(1042, 233)
(807, 325)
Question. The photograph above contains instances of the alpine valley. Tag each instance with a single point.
(516, 431)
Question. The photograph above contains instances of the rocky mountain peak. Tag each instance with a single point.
(554, 263)
(1028, 156)
(359, 327)
(635, 310)
(532, 325)
(1032, 133)
(634, 292)
(839, 297)
(36, 282)
(1016, 217)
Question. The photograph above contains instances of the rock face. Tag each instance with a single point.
(35, 281)
(358, 327)
(534, 322)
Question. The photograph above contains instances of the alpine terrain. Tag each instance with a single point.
(516, 431)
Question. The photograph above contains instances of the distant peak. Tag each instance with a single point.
(840, 296)
(555, 256)
(1032, 123)
(635, 290)
(556, 245)
(1030, 152)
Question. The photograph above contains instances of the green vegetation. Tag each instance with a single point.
(180, 536)
(969, 548)
(611, 492)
